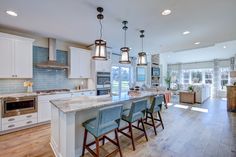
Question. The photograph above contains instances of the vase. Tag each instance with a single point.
(29, 89)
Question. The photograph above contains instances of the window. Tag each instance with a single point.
(208, 76)
(173, 76)
(120, 79)
(196, 76)
(186, 77)
(224, 77)
(141, 74)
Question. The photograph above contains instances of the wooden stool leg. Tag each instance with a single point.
(118, 143)
(85, 139)
(160, 119)
(153, 124)
(103, 140)
(97, 146)
(144, 129)
(131, 134)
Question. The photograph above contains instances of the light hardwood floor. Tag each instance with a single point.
(187, 134)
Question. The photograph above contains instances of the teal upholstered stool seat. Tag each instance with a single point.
(134, 114)
(90, 125)
(155, 107)
(106, 121)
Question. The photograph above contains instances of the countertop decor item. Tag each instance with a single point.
(142, 56)
(29, 85)
(124, 59)
(100, 45)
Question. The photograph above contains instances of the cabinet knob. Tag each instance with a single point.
(29, 116)
(29, 122)
(10, 126)
(11, 119)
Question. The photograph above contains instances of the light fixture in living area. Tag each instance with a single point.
(142, 56)
(124, 59)
(224, 47)
(100, 45)
(166, 12)
(197, 43)
(186, 32)
(11, 13)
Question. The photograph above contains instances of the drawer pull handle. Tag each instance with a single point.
(29, 122)
(10, 126)
(29, 116)
(11, 119)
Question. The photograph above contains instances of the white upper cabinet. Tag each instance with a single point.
(6, 57)
(16, 56)
(80, 63)
(23, 59)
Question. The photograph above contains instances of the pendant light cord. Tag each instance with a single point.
(125, 38)
(142, 44)
(100, 22)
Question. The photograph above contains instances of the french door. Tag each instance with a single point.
(120, 79)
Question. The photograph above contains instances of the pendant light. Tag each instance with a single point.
(142, 56)
(124, 59)
(100, 45)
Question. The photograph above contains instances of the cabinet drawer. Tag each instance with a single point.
(18, 124)
(19, 118)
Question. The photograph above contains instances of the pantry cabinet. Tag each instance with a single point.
(16, 56)
(80, 63)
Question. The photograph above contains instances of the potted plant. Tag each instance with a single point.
(168, 81)
(190, 88)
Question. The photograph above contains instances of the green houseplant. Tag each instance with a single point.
(190, 88)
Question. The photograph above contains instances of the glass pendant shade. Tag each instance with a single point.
(100, 50)
(142, 59)
(124, 59)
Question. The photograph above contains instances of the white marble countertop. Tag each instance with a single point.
(35, 94)
(89, 102)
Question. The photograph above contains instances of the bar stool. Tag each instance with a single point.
(136, 113)
(155, 107)
(107, 120)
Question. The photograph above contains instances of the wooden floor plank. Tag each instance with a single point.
(187, 133)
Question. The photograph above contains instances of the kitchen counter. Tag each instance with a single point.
(68, 115)
(36, 94)
(89, 102)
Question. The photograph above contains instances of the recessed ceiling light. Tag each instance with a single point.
(186, 32)
(197, 43)
(12, 13)
(166, 12)
(224, 47)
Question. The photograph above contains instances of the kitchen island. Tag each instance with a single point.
(69, 114)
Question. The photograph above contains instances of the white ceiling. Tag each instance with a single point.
(210, 21)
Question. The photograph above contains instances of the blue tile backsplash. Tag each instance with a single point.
(43, 79)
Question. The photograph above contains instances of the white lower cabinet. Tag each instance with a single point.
(19, 121)
(44, 106)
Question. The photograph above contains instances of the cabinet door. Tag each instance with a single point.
(44, 111)
(6, 57)
(23, 59)
(80, 63)
(85, 64)
(74, 63)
